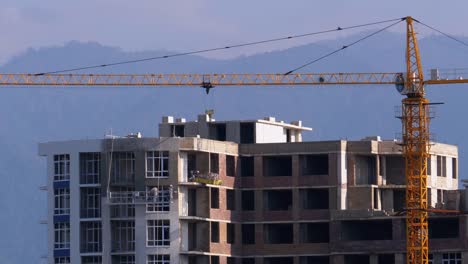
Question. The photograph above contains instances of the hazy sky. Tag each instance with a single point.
(194, 24)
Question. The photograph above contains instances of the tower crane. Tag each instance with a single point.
(415, 115)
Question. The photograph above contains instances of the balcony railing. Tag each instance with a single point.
(154, 196)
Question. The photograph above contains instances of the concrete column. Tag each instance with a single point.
(342, 181)
(106, 231)
(374, 259)
(258, 170)
(50, 208)
(75, 207)
(258, 194)
(337, 259)
(401, 259)
(296, 233)
(383, 164)
(140, 233)
(295, 170)
(437, 258)
(296, 203)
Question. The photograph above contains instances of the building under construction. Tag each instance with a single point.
(244, 192)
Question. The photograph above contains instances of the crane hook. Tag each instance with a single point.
(207, 85)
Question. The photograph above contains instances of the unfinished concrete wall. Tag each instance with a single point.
(395, 170)
(360, 197)
(365, 170)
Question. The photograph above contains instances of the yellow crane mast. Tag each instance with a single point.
(415, 122)
(415, 119)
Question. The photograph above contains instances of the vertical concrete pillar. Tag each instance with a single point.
(296, 203)
(140, 170)
(383, 164)
(259, 235)
(437, 258)
(259, 261)
(140, 233)
(258, 170)
(401, 259)
(74, 207)
(258, 194)
(106, 231)
(337, 259)
(374, 259)
(295, 170)
(342, 180)
(377, 168)
(296, 233)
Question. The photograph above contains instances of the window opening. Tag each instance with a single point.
(158, 233)
(62, 167)
(157, 164)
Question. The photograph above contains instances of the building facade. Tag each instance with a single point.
(242, 192)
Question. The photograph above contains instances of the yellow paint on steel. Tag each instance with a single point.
(197, 79)
(415, 122)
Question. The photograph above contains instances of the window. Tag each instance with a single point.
(123, 235)
(61, 260)
(429, 166)
(159, 259)
(278, 233)
(214, 163)
(215, 198)
(314, 233)
(313, 164)
(248, 261)
(123, 167)
(217, 131)
(247, 166)
(91, 239)
(454, 168)
(62, 167)
(90, 202)
(441, 166)
(314, 198)
(230, 233)
(277, 166)
(230, 260)
(122, 211)
(161, 202)
(248, 234)
(214, 259)
(90, 164)
(230, 165)
(248, 200)
(158, 233)
(230, 200)
(277, 200)
(91, 260)
(157, 164)
(215, 232)
(62, 235)
(62, 201)
(452, 258)
(247, 133)
(177, 130)
(123, 259)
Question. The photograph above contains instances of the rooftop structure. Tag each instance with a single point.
(242, 192)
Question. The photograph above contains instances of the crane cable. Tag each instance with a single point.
(443, 33)
(218, 48)
(343, 47)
